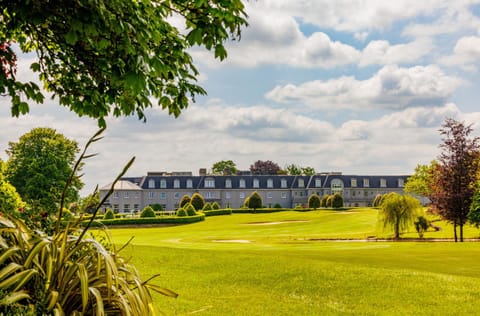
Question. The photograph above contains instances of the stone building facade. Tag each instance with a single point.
(167, 189)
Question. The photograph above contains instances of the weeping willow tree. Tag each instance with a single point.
(399, 212)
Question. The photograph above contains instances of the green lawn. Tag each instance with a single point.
(269, 264)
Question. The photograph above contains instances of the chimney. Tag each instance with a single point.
(202, 172)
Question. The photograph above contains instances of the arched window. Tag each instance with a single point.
(337, 186)
(228, 183)
(284, 183)
(163, 183)
(256, 183)
(189, 183)
(176, 183)
(242, 183)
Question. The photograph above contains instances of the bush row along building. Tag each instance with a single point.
(167, 189)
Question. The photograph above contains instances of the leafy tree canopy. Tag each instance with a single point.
(10, 201)
(293, 169)
(111, 57)
(39, 166)
(399, 212)
(267, 167)
(421, 182)
(224, 167)
(254, 201)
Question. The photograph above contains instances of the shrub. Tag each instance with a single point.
(245, 203)
(66, 214)
(207, 207)
(109, 214)
(10, 201)
(329, 201)
(157, 207)
(255, 201)
(225, 211)
(277, 205)
(215, 206)
(421, 225)
(181, 212)
(323, 202)
(314, 201)
(147, 212)
(337, 200)
(185, 200)
(197, 201)
(190, 209)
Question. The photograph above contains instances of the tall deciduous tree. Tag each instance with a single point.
(399, 212)
(293, 169)
(308, 171)
(39, 166)
(224, 167)
(423, 180)
(10, 201)
(266, 167)
(111, 57)
(456, 175)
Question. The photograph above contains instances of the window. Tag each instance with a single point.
(115, 195)
(269, 183)
(256, 183)
(337, 186)
(136, 207)
(269, 195)
(242, 195)
(163, 184)
(125, 195)
(242, 183)
(126, 207)
(284, 195)
(209, 183)
(151, 184)
(163, 195)
(176, 183)
(318, 183)
(284, 183)
(116, 208)
(401, 182)
(151, 195)
(228, 183)
(228, 195)
(176, 196)
(353, 182)
(383, 183)
(189, 183)
(301, 183)
(137, 195)
(209, 195)
(366, 183)
(365, 194)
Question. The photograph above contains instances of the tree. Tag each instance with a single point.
(314, 201)
(215, 206)
(323, 202)
(197, 201)
(224, 167)
(254, 201)
(147, 212)
(308, 171)
(399, 212)
(456, 175)
(102, 58)
(377, 200)
(474, 214)
(39, 166)
(10, 200)
(293, 169)
(337, 200)
(157, 207)
(421, 182)
(421, 225)
(185, 200)
(329, 202)
(267, 167)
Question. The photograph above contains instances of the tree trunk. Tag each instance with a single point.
(455, 230)
(461, 232)
(397, 229)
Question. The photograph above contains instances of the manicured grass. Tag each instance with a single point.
(282, 272)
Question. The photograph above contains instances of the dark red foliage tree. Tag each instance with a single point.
(456, 174)
(267, 167)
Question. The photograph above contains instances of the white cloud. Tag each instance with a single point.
(391, 87)
(381, 52)
(466, 53)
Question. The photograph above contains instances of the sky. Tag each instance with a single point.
(358, 87)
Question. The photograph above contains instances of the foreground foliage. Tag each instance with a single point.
(111, 57)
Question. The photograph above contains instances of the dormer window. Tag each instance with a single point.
(210, 183)
(270, 183)
(401, 182)
(151, 184)
(176, 183)
(189, 183)
(228, 183)
(284, 183)
(256, 183)
(366, 183)
(301, 183)
(163, 184)
(353, 182)
(242, 183)
(383, 183)
(318, 183)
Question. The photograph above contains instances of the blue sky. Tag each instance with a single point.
(360, 87)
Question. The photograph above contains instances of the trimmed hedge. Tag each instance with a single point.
(218, 212)
(260, 210)
(148, 220)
